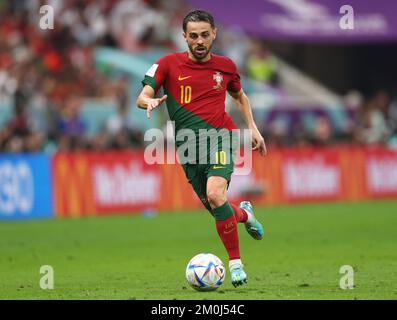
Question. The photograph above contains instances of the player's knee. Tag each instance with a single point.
(216, 197)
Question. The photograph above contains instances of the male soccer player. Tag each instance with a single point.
(195, 84)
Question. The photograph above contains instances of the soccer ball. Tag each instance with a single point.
(205, 272)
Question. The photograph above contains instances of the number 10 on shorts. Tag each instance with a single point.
(220, 158)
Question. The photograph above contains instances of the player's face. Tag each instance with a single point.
(199, 37)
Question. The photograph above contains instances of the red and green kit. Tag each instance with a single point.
(196, 94)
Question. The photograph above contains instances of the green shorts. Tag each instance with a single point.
(198, 174)
(215, 156)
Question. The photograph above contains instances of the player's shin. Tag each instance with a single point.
(226, 225)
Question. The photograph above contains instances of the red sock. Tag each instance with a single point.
(241, 215)
(227, 230)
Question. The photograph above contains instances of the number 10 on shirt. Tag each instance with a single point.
(186, 94)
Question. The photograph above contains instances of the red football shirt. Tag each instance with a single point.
(196, 90)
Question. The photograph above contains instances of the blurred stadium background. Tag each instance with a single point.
(324, 98)
(71, 137)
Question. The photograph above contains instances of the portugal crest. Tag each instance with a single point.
(218, 78)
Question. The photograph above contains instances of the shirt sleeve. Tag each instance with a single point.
(156, 74)
(234, 84)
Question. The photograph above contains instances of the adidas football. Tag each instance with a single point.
(205, 272)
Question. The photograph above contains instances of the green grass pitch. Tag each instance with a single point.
(133, 257)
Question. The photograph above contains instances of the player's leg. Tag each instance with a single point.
(244, 213)
(226, 223)
(198, 179)
(226, 226)
(196, 175)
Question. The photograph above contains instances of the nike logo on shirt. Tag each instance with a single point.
(180, 78)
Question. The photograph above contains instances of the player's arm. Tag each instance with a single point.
(244, 107)
(146, 100)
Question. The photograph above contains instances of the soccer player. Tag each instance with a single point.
(195, 84)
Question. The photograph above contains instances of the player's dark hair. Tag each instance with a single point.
(197, 16)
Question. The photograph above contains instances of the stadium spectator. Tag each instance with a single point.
(120, 119)
(70, 127)
(100, 142)
(392, 122)
(18, 134)
(322, 133)
(277, 133)
(122, 134)
(372, 126)
(236, 45)
(261, 66)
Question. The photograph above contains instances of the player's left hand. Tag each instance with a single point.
(258, 143)
(152, 104)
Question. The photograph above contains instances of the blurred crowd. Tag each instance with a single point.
(53, 71)
(370, 120)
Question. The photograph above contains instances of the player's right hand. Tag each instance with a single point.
(154, 103)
